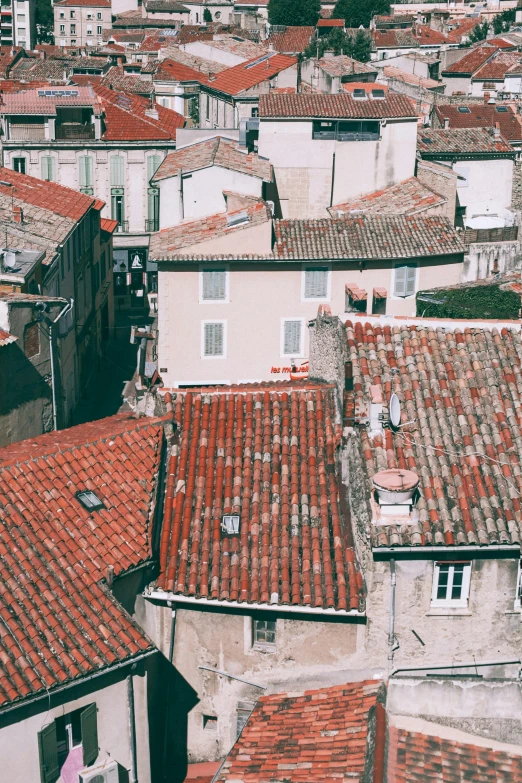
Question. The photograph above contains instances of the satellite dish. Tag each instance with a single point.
(395, 411)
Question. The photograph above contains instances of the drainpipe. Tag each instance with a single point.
(172, 633)
(333, 180)
(62, 312)
(132, 729)
(391, 630)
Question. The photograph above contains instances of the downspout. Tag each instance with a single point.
(391, 630)
(132, 729)
(62, 312)
(380, 743)
(172, 633)
(333, 180)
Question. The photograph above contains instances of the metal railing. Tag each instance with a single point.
(505, 234)
(345, 136)
(152, 225)
(123, 227)
(27, 132)
(74, 132)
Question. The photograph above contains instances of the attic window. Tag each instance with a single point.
(502, 108)
(377, 93)
(359, 93)
(464, 110)
(90, 500)
(230, 524)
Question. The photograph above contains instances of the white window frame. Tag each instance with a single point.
(518, 588)
(214, 321)
(299, 355)
(215, 268)
(326, 298)
(397, 264)
(451, 603)
(267, 647)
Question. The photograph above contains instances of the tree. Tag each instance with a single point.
(502, 22)
(357, 13)
(294, 12)
(338, 42)
(479, 32)
(362, 47)
(44, 18)
(207, 16)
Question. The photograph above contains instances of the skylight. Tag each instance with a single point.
(237, 219)
(230, 524)
(464, 110)
(259, 60)
(90, 500)
(502, 108)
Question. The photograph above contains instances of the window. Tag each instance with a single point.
(32, 340)
(213, 285)
(73, 29)
(451, 584)
(99, 29)
(214, 338)
(85, 174)
(292, 337)
(244, 710)
(207, 108)
(237, 219)
(20, 165)
(464, 110)
(73, 15)
(98, 15)
(210, 722)
(316, 280)
(89, 30)
(90, 500)
(59, 738)
(117, 171)
(405, 280)
(264, 633)
(62, 15)
(62, 29)
(20, 18)
(346, 130)
(48, 168)
(118, 207)
(518, 590)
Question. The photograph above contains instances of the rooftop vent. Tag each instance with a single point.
(230, 524)
(393, 498)
(9, 262)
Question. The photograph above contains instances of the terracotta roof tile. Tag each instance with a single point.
(464, 141)
(337, 106)
(249, 74)
(267, 454)
(49, 196)
(293, 40)
(93, 3)
(55, 611)
(462, 29)
(6, 338)
(126, 119)
(497, 68)
(482, 116)
(410, 78)
(461, 390)
(331, 23)
(419, 35)
(172, 71)
(341, 65)
(214, 152)
(319, 735)
(471, 62)
(406, 198)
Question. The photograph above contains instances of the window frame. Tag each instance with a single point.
(451, 603)
(214, 321)
(310, 267)
(300, 354)
(20, 157)
(215, 268)
(264, 646)
(518, 587)
(396, 265)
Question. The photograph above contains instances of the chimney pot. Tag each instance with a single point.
(486, 97)
(446, 122)
(18, 215)
(497, 130)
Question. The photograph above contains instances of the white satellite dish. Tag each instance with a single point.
(395, 411)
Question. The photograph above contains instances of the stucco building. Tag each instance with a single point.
(81, 23)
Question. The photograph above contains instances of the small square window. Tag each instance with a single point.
(451, 585)
(210, 722)
(264, 632)
(90, 500)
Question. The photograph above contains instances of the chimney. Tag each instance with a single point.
(496, 131)
(119, 60)
(486, 97)
(152, 113)
(446, 122)
(18, 215)
(42, 55)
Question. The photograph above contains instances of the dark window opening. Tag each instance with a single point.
(346, 130)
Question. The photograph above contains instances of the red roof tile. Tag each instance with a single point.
(87, 3)
(59, 622)
(170, 70)
(6, 338)
(268, 455)
(330, 23)
(482, 116)
(292, 41)
(463, 29)
(246, 75)
(48, 195)
(336, 106)
(107, 225)
(498, 66)
(442, 142)
(419, 35)
(502, 43)
(460, 392)
(319, 735)
(217, 151)
(405, 198)
(126, 119)
(471, 62)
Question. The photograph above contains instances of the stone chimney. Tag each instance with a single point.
(152, 112)
(328, 349)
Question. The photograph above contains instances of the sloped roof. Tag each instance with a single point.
(460, 387)
(214, 152)
(117, 79)
(343, 105)
(126, 118)
(461, 141)
(391, 72)
(6, 338)
(244, 76)
(33, 102)
(498, 66)
(368, 236)
(471, 62)
(50, 196)
(59, 622)
(341, 65)
(419, 35)
(173, 71)
(405, 198)
(292, 41)
(244, 451)
(94, 3)
(317, 735)
(480, 115)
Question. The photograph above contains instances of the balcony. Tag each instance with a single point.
(122, 227)
(152, 225)
(23, 132)
(74, 131)
(504, 234)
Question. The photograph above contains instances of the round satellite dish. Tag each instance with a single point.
(395, 411)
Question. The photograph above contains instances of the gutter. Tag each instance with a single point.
(455, 665)
(493, 551)
(159, 595)
(78, 681)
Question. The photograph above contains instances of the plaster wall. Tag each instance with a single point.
(484, 259)
(85, 28)
(215, 54)
(304, 166)
(221, 12)
(457, 84)
(443, 180)
(488, 186)
(260, 294)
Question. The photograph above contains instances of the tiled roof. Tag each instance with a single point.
(482, 116)
(341, 65)
(419, 35)
(502, 43)
(238, 45)
(167, 243)
(85, 3)
(251, 2)
(117, 79)
(107, 225)
(368, 87)
(126, 118)
(214, 152)
(50, 196)
(172, 71)
(383, 20)
(170, 6)
(471, 62)
(268, 455)
(292, 41)
(319, 735)
(193, 61)
(30, 102)
(59, 623)
(463, 29)
(371, 236)
(342, 105)
(413, 756)
(498, 66)
(6, 338)
(247, 75)
(460, 389)
(8, 55)
(461, 141)
(410, 78)
(330, 23)
(406, 198)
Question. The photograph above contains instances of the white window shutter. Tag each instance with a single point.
(292, 337)
(411, 275)
(153, 163)
(117, 174)
(316, 283)
(214, 339)
(85, 171)
(400, 280)
(214, 284)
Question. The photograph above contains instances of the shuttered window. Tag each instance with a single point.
(48, 168)
(214, 285)
(89, 734)
(85, 163)
(214, 339)
(405, 280)
(48, 752)
(316, 282)
(292, 338)
(153, 163)
(117, 172)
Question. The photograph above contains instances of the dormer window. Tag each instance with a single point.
(359, 93)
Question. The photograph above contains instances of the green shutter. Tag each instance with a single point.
(89, 734)
(48, 750)
(117, 172)
(85, 171)
(153, 163)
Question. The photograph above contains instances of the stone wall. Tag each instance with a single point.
(327, 353)
(516, 202)
(442, 180)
